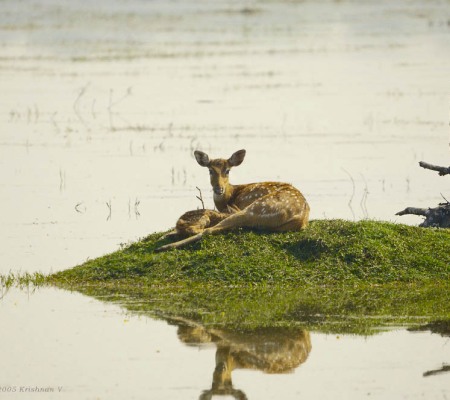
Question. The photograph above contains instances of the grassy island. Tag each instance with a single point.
(327, 253)
(336, 275)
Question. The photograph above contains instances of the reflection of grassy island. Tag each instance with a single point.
(328, 276)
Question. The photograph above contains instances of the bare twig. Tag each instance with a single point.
(200, 197)
(109, 205)
(76, 105)
(110, 114)
(363, 202)
(94, 115)
(62, 179)
(353, 192)
(54, 123)
(113, 103)
(80, 209)
(136, 210)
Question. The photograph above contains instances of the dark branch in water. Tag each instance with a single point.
(445, 368)
(438, 217)
(434, 217)
(414, 211)
(442, 170)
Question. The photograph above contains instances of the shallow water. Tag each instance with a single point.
(102, 105)
(82, 348)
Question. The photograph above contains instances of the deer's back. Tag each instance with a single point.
(274, 195)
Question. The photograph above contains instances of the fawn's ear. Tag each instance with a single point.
(202, 158)
(237, 158)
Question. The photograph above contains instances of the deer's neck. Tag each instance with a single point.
(224, 200)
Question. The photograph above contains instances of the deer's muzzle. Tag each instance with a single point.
(218, 190)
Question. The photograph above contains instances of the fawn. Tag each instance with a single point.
(272, 206)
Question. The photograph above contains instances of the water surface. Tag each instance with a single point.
(93, 350)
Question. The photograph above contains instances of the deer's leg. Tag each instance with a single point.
(181, 243)
(172, 234)
(296, 223)
(237, 220)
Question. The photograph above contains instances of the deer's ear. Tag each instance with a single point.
(237, 158)
(202, 158)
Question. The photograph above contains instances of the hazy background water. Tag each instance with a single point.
(102, 104)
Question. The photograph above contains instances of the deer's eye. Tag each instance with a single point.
(211, 171)
(227, 172)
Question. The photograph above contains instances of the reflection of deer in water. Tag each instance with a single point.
(273, 351)
(273, 206)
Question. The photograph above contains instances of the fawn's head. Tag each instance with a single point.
(219, 168)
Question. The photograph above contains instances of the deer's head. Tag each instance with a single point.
(219, 169)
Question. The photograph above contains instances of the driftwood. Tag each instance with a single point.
(434, 217)
(442, 170)
(445, 368)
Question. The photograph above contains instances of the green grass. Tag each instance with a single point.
(328, 252)
(336, 276)
(22, 280)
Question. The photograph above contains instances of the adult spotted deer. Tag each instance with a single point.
(271, 206)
